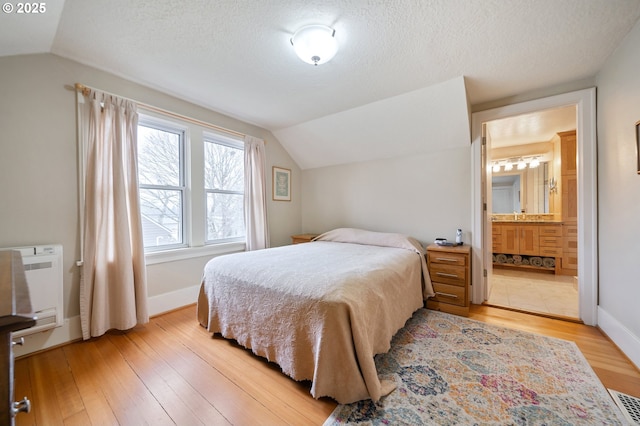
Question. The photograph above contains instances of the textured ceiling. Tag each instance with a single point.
(234, 56)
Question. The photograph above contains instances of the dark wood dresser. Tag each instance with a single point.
(15, 314)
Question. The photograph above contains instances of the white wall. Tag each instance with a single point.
(38, 166)
(619, 196)
(408, 124)
(421, 189)
(425, 196)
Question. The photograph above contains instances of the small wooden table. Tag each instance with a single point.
(449, 268)
(302, 238)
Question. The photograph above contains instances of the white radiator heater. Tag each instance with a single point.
(43, 271)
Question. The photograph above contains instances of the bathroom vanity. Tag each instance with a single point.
(534, 212)
(527, 244)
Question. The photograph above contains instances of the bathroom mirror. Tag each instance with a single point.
(521, 190)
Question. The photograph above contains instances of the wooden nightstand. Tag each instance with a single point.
(449, 268)
(302, 238)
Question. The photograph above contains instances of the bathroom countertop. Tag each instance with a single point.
(552, 222)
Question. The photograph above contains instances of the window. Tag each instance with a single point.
(224, 188)
(161, 174)
(191, 189)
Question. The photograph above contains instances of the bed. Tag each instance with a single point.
(320, 310)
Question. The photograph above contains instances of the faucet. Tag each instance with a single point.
(515, 215)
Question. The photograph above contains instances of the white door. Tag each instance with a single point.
(487, 230)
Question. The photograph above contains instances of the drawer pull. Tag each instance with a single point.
(447, 259)
(23, 406)
(453, 296)
(442, 274)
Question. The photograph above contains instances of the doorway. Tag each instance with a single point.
(532, 205)
(586, 231)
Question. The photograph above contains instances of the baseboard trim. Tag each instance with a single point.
(620, 335)
(71, 330)
(172, 300)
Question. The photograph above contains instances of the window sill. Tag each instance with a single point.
(193, 252)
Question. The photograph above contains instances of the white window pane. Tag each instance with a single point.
(158, 157)
(224, 167)
(161, 217)
(225, 217)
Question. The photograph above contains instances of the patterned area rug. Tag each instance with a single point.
(451, 370)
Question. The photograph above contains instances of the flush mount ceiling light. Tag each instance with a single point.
(315, 44)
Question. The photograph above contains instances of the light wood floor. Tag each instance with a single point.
(172, 372)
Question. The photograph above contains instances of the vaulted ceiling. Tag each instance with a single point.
(234, 56)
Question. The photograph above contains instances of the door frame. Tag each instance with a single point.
(585, 101)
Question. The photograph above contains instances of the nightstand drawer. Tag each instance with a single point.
(452, 294)
(448, 258)
(448, 274)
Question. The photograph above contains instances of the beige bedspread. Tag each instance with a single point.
(320, 310)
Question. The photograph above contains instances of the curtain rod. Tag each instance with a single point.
(85, 91)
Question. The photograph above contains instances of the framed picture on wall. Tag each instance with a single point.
(281, 184)
(638, 144)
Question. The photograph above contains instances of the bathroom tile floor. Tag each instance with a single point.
(548, 294)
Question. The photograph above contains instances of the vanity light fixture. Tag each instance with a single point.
(534, 163)
(521, 164)
(315, 44)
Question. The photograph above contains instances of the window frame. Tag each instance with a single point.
(210, 137)
(184, 172)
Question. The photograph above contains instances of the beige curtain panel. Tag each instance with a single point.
(255, 194)
(113, 289)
